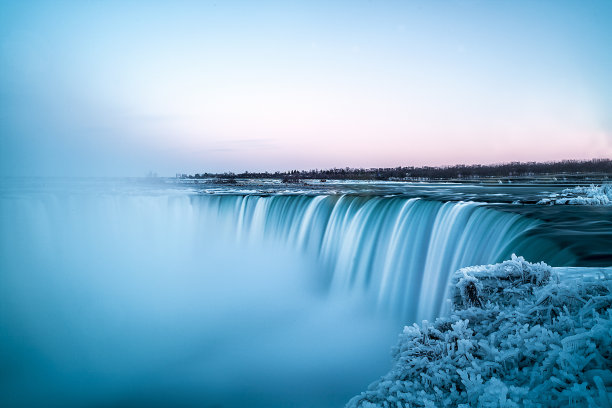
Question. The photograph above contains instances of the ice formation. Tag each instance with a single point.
(517, 336)
(591, 195)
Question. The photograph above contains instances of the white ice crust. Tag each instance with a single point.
(517, 336)
(591, 195)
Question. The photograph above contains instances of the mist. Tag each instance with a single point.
(113, 298)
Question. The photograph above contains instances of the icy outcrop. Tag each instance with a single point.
(517, 336)
(592, 195)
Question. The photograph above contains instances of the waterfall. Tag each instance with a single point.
(399, 252)
(396, 252)
(130, 288)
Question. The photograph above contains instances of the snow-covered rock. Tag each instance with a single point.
(592, 195)
(517, 336)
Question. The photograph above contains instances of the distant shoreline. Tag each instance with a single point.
(566, 170)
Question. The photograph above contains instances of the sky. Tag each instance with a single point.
(121, 88)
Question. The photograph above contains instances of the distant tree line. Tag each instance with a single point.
(597, 167)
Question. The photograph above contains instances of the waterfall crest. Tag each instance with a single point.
(398, 251)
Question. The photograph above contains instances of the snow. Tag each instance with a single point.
(517, 336)
(591, 195)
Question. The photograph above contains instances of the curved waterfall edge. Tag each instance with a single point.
(398, 252)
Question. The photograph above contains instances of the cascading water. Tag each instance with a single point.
(133, 290)
(398, 252)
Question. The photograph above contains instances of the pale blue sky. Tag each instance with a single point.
(121, 88)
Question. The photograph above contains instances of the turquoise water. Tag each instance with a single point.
(397, 252)
(117, 293)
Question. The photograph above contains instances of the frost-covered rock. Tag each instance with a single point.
(592, 195)
(517, 336)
